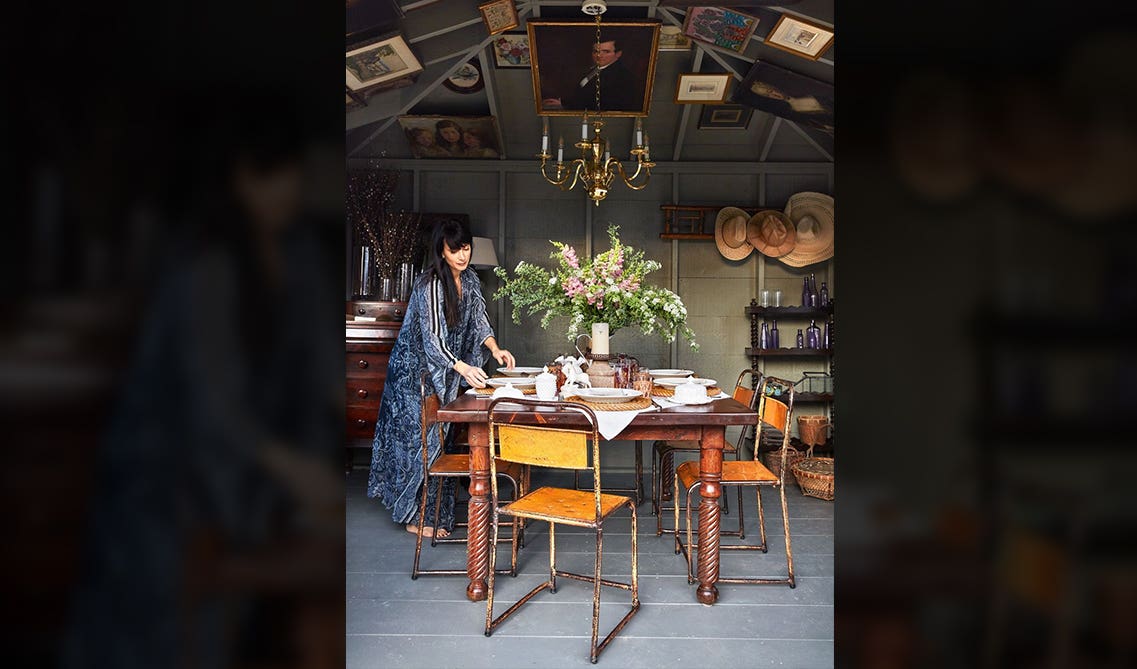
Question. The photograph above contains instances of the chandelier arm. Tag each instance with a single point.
(574, 167)
(628, 180)
(558, 181)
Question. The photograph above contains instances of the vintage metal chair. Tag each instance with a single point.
(454, 466)
(663, 453)
(561, 448)
(775, 405)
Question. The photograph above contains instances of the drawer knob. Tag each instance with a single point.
(398, 313)
(363, 364)
(361, 422)
(361, 311)
(361, 392)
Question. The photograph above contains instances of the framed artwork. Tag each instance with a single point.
(720, 26)
(701, 88)
(725, 117)
(451, 136)
(511, 50)
(499, 16)
(800, 37)
(622, 65)
(671, 38)
(466, 79)
(801, 99)
(380, 62)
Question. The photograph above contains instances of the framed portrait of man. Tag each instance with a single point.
(621, 64)
(806, 101)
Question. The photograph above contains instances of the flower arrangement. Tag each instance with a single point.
(394, 236)
(606, 289)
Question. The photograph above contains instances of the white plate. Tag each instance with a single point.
(675, 382)
(517, 381)
(608, 395)
(521, 371)
(670, 373)
(693, 404)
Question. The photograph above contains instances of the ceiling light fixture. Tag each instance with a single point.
(596, 169)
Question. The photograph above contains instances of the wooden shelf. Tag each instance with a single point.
(790, 311)
(687, 236)
(777, 352)
(813, 397)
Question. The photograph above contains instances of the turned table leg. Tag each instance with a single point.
(478, 546)
(710, 473)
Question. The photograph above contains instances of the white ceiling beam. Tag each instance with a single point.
(681, 130)
(809, 139)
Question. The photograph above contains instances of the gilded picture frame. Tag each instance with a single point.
(499, 16)
(701, 88)
(566, 87)
(800, 37)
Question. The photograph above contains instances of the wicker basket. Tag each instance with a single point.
(773, 460)
(815, 476)
(812, 430)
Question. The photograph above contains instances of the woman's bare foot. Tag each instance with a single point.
(428, 531)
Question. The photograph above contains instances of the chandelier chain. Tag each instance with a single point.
(597, 80)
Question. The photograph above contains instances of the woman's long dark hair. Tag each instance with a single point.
(454, 234)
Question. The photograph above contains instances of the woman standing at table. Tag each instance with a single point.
(443, 334)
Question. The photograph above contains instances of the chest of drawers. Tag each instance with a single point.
(368, 345)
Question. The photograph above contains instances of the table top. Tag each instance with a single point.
(726, 411)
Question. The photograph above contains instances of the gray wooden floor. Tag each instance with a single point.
(393, 621)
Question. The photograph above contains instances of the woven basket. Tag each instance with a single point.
(815, 476)
(773, 460)
(812, 430)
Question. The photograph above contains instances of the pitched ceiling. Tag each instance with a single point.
(444, 34)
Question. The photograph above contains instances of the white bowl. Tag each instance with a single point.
(608, 395)
(676, 381)
(516, 381)
(670, 373)
(521, 371)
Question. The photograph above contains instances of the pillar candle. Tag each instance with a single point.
(600, 338)
(561, 150)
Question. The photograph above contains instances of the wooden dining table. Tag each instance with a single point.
(705, 423)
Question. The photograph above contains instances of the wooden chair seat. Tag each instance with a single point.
(565, 505)
(458, 464)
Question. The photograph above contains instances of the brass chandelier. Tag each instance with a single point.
(595, 169)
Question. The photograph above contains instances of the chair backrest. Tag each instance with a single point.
(775, 406)
(430, 406)
(543, 445)
(747, 393)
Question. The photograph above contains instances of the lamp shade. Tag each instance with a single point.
(484, 255)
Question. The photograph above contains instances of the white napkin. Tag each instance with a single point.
(666, 402)
(612, 423)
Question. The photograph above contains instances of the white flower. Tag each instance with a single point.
(552, 281)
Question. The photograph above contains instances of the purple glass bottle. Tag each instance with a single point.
(823, 296)
(774, 343)
(764, 337)
(813, 336)
(800, 339)
(805, 291)
(825, 338)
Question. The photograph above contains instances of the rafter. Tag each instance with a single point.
(681, 130)
(811, 141)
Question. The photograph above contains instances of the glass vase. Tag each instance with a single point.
(386, 289)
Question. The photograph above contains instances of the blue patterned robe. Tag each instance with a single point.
(425, 343)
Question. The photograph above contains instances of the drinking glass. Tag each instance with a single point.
(777, 298)
(765, 298)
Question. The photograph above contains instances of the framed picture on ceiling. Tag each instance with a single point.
(499, 16)
(671, 38)
(511, 50)
(800, 37)
(451, 136)
(380, 62)
(806, 101)
(622, 65)
(701, 88)
(725, 117)
(719, 26)
(466, 79)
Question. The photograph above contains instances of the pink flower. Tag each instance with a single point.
(569, 254)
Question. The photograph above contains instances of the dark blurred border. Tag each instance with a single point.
(121, 121)
(985, 348)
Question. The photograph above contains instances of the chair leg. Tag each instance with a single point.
(553, 558)
(675, 514)
(654, 482)
(786, 530)
(490, 576)
(421, 521)
(761, 517)
(666, 481)
(596, 595)
(635, 562)
(639, 473)
(516, 530)
(741, 523)
(690, 544)
(437, 514)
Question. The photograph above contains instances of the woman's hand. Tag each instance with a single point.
(475, 376)
(505, 357)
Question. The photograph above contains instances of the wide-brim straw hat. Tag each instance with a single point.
(812, 215)
(730, 233)
(771, 233)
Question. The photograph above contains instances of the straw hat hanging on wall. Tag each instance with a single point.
(730, 233)
(771, 232)
(812, 215)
